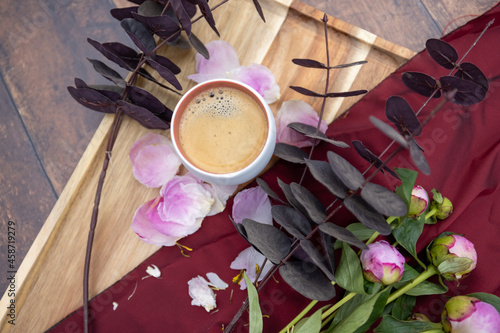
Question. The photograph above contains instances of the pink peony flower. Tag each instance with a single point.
(419, 201)
(252, 203)
(224, 63)
(296, 111)
(382, 263)
(154, 162)
(464, 314)
(444, 249)
(249, 259)
(177, 213)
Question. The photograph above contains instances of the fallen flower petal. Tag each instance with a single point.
(260, 78)
(252, 203)
(154, 271)
(154, 162)
(296, 111)
(201, 293)
(220, 193)
(216, 281)
(223, 58)
(251, 260)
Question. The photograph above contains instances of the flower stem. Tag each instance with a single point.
(430, 271)
(298, 317)
(337, 305)
(389, 220)
(431, 213)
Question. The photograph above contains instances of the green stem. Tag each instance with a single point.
(299, 317)
(389, 220)
(338, 305)
(431, 213)
(430, 271)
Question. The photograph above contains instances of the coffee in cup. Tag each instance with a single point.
(223, 131)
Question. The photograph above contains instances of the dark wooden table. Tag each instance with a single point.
(43, 48)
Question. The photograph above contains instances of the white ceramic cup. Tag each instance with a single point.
(256, 166)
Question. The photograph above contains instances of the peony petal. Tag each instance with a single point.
(141, 225)
(249, 259)
(216, 281)
(201, 293)
(252, 203)
(260, 78)
(296, 111)
(223, 58)
(154, 271)
(154, 161)
(220, 193)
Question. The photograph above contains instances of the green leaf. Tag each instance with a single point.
(255, 317)
(408, 232)
(349, 273)
(364, 315)
(390, 324)
(403, 306)
(488, 298)
(454, 265)
(310, 324)
(408, 177)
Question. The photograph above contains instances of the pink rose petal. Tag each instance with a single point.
(252, 203)
(223, 58)
(260, 78)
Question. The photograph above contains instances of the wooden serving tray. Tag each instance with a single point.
(49, 281)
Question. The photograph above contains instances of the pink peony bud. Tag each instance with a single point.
(382, 263)
(453, 255)
(419, 201)
(445, 209)
(469, 314)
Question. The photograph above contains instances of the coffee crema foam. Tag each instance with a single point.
(222, 130)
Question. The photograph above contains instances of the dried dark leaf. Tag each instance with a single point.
(118, 53)
(372, 158)
(123, 13)
(307, 92)
(328, 242)
(345, 171)
(293, 222)
(290, 197)
(144, 73)
(317, 258)
(356, 63)
(367, 215)
(207, 14)
(266, 188)
(442, 52)
(308, 280)
(421, 83)
(312, 132)
(290, 153)
(384, 201)
(389, 131)
(182, 15)
(469, 71)
(107, 72)
(199, 46)
(401, 114)
(419, 159)
(165, 73)
(460, 91)
(150, 8)
(145, 99)
(142, 115)
(342, 234)
(163, 26)
(92, 99)
(273, 243)
(114, 93)
(314, 208)
(139, 34)
(322, 172)
(259, 10)
(165, 62)
(309, 63)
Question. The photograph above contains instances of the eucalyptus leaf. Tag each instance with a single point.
(259, 10)
(255, 316)
(384, 201)
(290, 197)
(150, 8)
(309, 63)
(389, 131)
(142, 115)
(290, 153)
(460, 91)
(266, 188)
(313, 132)
(118, 53)
(273, 243)
(123, 13)
(469, 71)
(163, 26)
(182, 15)
(165, 73)
(308, 280)
(342, 234)
(317, 258)
(442, 52)
(207, 14)
(345, 171)
(139, 34)
(367, 215)
(418, 158)
(402, 115)
(372, 158)
(314, 208)
(422, 84)
(92, 99)
(145, 99)
(349, 273)
(107, 72)
(323, 173)
(359, 230)
(293, 222)
(199, 46)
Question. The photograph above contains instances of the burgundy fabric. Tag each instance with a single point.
(462, 148)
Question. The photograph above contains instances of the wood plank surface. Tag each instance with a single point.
(45, 132)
